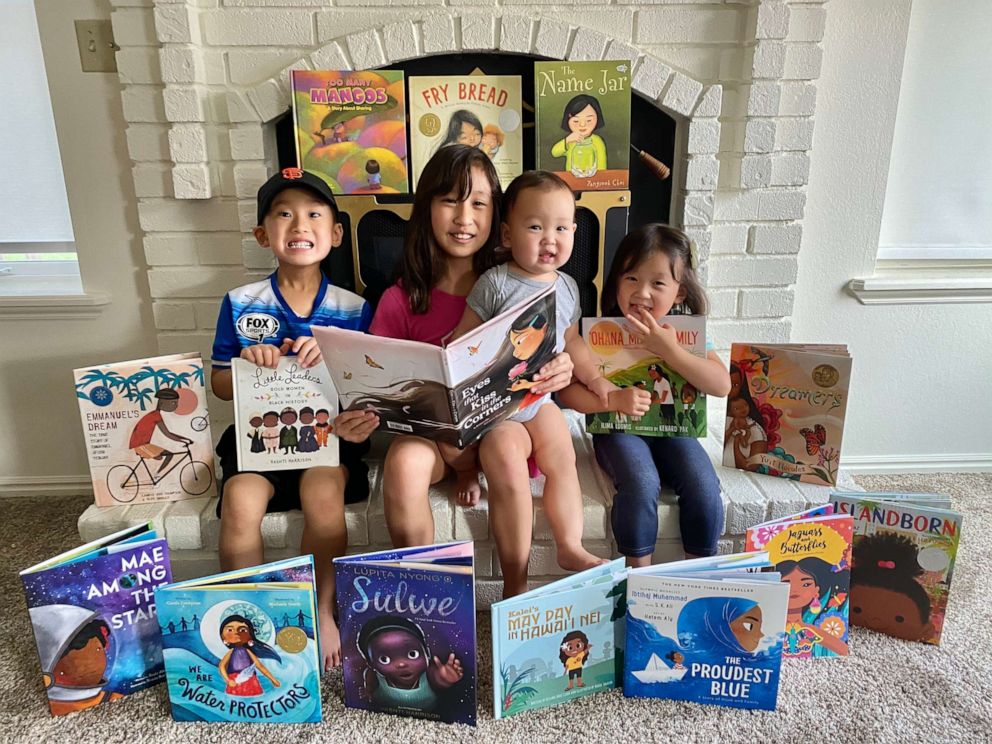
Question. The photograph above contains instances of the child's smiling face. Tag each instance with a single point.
(540, 230)
(300, 229)
(461, 227)
(573, 647)
(649, 286)
(802, 589)
(583, 123)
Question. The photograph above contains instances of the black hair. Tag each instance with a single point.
(372, 166)
(388, 622)
(95, 628)
(575, 635)
(578, 103)
(270, 413)
(532, 179)
(671, 655)
(745, 395)
(459, 117)
(259, 648)
(306, 409)
(822, 573)
(889, 561)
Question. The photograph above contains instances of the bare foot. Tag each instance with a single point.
(330, 641)
(468, 491)
(577, 558)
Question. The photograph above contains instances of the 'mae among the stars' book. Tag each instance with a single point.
(242, 646)
(407, 620)
(93, 615)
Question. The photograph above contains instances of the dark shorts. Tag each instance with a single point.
(573, 673)
(286, 483)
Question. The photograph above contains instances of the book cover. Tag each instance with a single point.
(560, 642)
(453, 394)
(678, 409)
(283, 416)
(242, 646)
(477, 110)
(812, 553)
(582, 118)
(903, 563)
(147, 430)
(785, 410)
(407, 621)
(93, 616)
(351, 129)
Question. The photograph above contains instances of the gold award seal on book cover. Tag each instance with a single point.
(430, 125)
(291, 640)
(825, 375)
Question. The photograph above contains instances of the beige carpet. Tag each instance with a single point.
(886, 691)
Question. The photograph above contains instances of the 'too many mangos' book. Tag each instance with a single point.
(147, 431)
(407, 620)
(560, 642)
(93, 616)
(678, 409)
(242, 646)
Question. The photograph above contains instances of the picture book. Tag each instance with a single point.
(453, 394)
(677, 408)
(351, 129)
(785, 410)
(242, 646)
(560, 642)
(407, 621)
(903, 562)
(811, 551)
(282, 416)
(93, 615)
(478, 110)
(582, 118)
(706, 631)
(147, 431)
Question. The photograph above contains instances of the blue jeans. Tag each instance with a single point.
(638, 467)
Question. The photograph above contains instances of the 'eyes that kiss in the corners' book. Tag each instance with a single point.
(560, 642)
(93, 615)
(407, 620)
(242, 646)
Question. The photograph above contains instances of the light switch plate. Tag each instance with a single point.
(97, 49)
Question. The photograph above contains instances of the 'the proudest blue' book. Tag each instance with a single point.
(560, 642)
(706, 631)
(93, 616)
(242, 646)
(407, 620)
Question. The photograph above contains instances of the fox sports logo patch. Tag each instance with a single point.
(257, 326)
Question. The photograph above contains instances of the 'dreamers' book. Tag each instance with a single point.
(242, 646)
(785, 410)
(93, 615)
(583, 122)
(677, 408)
(560, 642)
(454, 394)
(283, 416)
(903, 562)
(812, 552)
(407, 620)
(705, 631)
(478, 110)
(147, 430)
(351, 129)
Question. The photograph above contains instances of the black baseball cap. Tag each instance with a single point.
(293, 178)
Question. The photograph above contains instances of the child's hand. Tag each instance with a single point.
(355, 426)
(658, 338)
(449, 672)
(631, 401)
(306, 350)
(554, 375)
(602, 388)
(264, 355)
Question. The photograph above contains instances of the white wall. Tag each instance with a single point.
(920, 394)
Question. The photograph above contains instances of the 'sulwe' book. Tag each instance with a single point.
(453, 394)
(93, 615)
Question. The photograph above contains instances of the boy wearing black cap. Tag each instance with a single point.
(260, 322)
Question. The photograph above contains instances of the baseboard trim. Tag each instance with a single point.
(967, 462)
(48, 485)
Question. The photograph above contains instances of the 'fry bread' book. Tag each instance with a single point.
(242, 646)
(785, 410)
(282, 416)
(93, 616)
(560, 642)
(407, 620)
(677, 408)
(454, 394)
(147, 430)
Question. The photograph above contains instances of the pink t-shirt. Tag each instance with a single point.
(393, 317)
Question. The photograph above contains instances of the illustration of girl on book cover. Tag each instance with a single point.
(816, 619)
(242, 664)
(584, 150)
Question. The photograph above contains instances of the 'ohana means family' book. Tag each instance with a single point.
(242, 646)
(93, 615)
(282, 416)
(453, 394)
(560, 642)
(677, 408)
(407, 620)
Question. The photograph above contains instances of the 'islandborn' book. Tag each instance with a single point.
(407, 620)
(242, 646)
(282, 416)
(677, 408)
(93, 615)
(560, 642)
(452, 394)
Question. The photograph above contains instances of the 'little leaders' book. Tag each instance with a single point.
(677, 408)
(93, 615)
(560, 642)
(407, 620)
(242, 646)
(283, 416)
